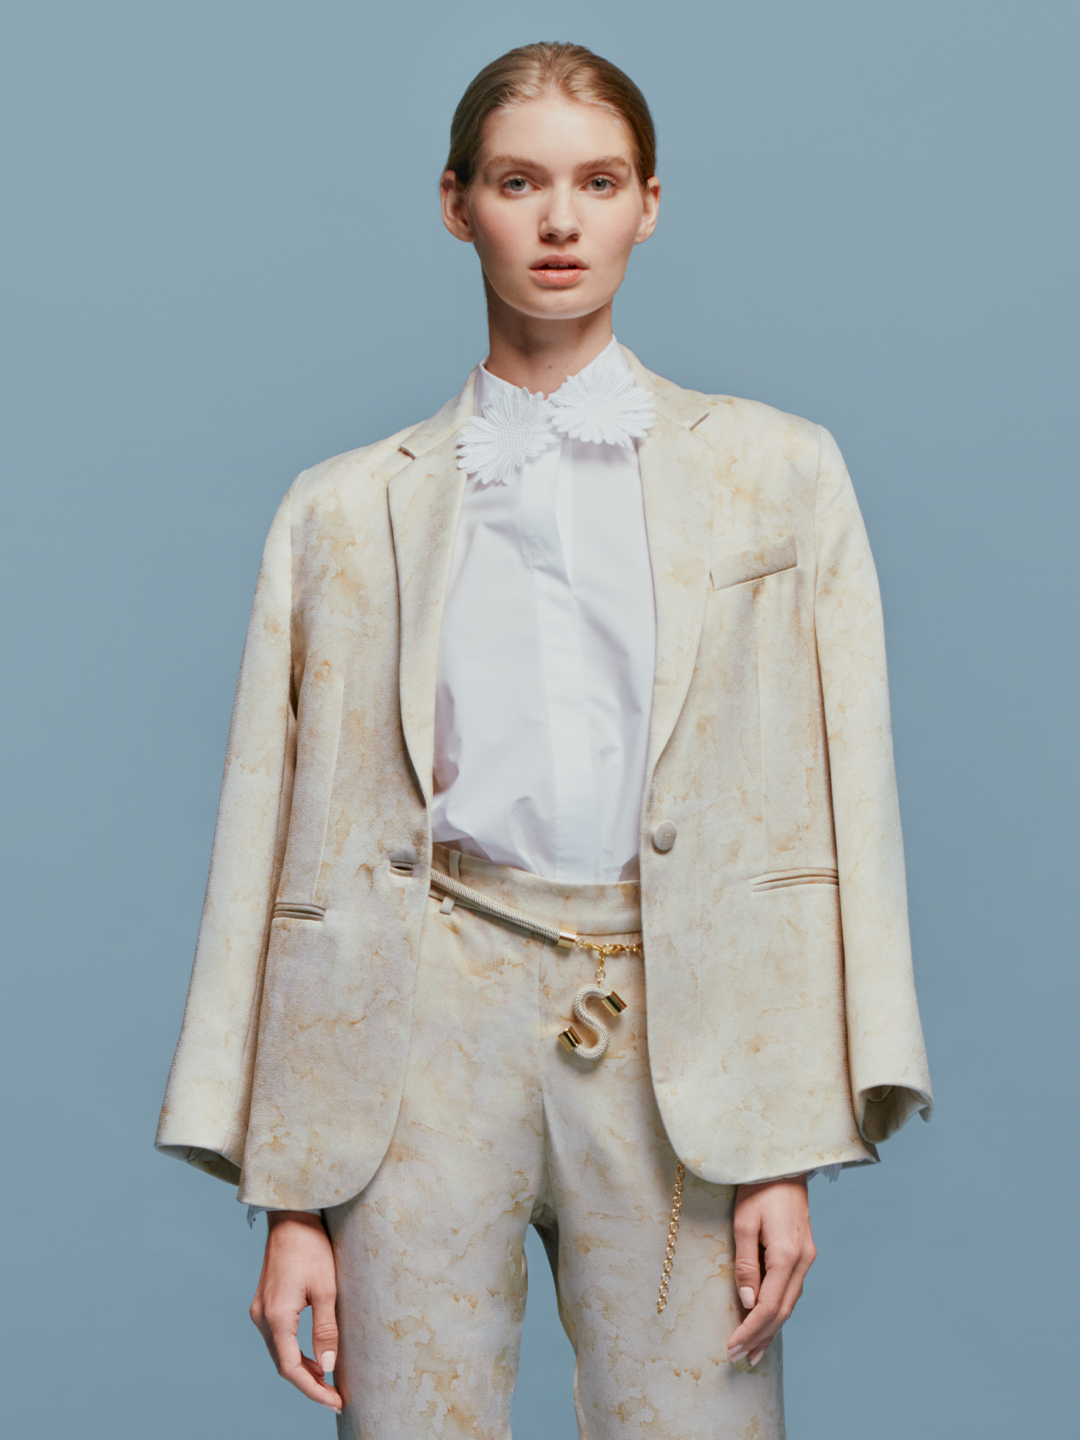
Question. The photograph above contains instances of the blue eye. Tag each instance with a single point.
(516, 183)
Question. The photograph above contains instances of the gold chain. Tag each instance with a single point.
(603, 951)
(673, 1235)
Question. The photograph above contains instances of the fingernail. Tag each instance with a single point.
(755, 1358)
(737, 1353)
(746, 1295)
(327, 1361)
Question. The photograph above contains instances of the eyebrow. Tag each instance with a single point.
(609, 162)
(518, 162)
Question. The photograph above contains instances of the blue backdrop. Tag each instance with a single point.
(222, 262)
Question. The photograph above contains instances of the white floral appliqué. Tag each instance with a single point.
(515, 427)
(606, 408)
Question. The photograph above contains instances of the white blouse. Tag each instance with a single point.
(546, 660)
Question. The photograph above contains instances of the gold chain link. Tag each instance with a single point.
(673, 1235)
(603, 951)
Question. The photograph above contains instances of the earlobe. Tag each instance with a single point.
(646, 228)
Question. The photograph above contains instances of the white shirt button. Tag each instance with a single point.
(663, 837)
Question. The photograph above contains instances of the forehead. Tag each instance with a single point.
(555, 132)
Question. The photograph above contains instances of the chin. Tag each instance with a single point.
(568, 310)
(565, 305)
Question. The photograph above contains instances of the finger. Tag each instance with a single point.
(759, 1348)
(296, 1367)
(324, 1331)
(794, 1290)
(785, 1271)
(326, 1394)
(307, 1377)
(756, 1330)
(766, 1318)
(281, 1318)
(747, 1258)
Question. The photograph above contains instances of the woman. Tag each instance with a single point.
(576, 690)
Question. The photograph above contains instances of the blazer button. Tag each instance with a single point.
(663, 837)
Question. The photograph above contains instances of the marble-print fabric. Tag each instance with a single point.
(498, 1128)
(784, 1032)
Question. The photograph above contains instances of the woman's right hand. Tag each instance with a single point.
(298, 1271)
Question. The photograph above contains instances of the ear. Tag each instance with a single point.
(455, 209)
(651, 196)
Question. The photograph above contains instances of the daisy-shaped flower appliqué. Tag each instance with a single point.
(607, 409)
(514, 427)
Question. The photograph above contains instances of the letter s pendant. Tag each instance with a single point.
(570, 1038)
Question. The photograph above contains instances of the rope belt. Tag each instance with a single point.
(454, 891)
(566, 939)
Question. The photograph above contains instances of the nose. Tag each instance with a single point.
(560, 221)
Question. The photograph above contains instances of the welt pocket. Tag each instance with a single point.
(297, 910)
(734, 567)
(784, 879)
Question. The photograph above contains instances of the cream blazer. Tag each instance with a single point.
(784, 1032)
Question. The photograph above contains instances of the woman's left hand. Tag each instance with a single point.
(772, 1226)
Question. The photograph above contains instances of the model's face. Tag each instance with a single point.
(555, 208)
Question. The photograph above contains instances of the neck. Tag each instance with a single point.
(541, 354)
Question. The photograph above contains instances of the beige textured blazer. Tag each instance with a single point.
(783, 1027)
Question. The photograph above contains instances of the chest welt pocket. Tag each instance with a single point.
(784, 879)
(735, 567)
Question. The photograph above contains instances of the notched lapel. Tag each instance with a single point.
(677, 477)
(425, 501)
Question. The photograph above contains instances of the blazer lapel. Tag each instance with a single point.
(425, 501)
(677, 474)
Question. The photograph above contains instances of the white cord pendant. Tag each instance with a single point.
(571, 1040)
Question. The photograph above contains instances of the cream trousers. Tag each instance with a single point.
(500, 1128)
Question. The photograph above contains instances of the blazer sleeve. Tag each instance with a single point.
(886, 1054)
(204, 1117)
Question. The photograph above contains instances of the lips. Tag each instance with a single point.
(558, 270)
(558, 262)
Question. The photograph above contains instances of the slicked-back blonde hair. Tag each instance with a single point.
(535, 70)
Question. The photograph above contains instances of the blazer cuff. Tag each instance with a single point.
(255, 1210)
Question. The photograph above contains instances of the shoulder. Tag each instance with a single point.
(361, 474)
(731, 423)
(752, 439)
(728, 415)
(364, 469)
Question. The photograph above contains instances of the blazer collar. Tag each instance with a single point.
(684, 407)
(425, 495)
